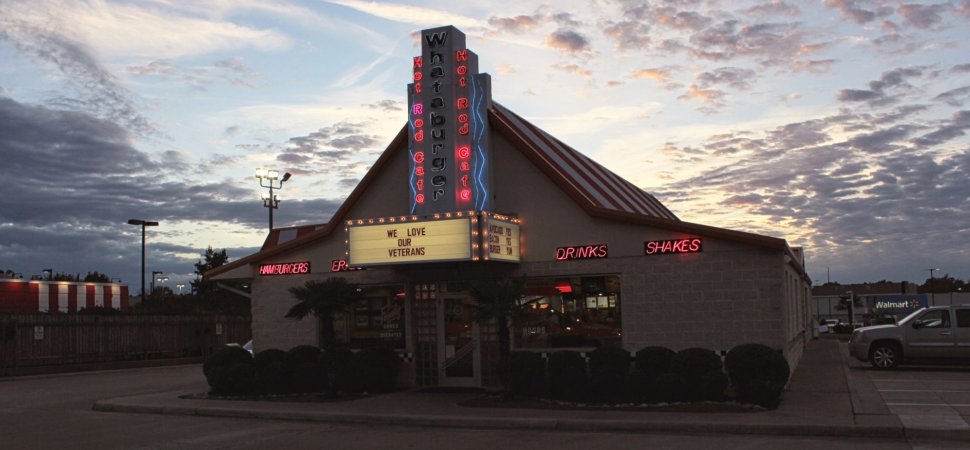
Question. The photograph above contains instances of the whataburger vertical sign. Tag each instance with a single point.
(448, 102)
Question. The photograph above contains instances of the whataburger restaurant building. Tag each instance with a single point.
(469, 191)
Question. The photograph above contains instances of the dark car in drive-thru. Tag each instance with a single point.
(937, 333)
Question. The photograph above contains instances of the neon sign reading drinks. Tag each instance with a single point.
(581, 252)
(673, 246)
(294, 268)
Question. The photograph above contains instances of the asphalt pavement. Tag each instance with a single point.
(829, 395)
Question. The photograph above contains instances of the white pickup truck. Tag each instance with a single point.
(934, 333)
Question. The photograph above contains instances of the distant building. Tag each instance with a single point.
(19, 296)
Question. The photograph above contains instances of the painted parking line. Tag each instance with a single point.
(927, 404)
(922, 390)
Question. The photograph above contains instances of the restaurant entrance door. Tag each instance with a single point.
(459, 348)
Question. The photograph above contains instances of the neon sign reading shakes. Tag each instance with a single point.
(673, 246)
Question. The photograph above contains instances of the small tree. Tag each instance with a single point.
(499, 300)
(323, 299)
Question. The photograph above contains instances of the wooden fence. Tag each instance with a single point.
(31, 340)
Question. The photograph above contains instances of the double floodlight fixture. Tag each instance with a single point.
(270, 179)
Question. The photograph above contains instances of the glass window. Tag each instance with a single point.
(377, 319)
(963, 318)
(570, 312)
(935, 319)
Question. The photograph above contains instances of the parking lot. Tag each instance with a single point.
(922, 396)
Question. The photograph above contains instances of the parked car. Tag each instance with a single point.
(934, 333)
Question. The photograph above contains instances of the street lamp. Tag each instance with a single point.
(50, 274)
(270, 179)
(932, 290)
(180, 286)
(143, 223)
(155, 275)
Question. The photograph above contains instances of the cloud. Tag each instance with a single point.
(568, 41)
(923, 16)
(233, 71)
(849, 9)
(884, 91)
(517, 24)
(954, 97)
(573, 69)
(95, 90)
(734, 77)
(415, 15)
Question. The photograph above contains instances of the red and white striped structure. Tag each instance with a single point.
(22, 296)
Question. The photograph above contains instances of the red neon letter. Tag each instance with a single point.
(418, 123)
(418, 62)
(419, 198)
(419, 135)
(417, 109)
(463, 129)
(466, 194)
(462, 70)
(419, 157)
(462, 103)
(418, 76)
(461, 55)
(464, 152)
(463, 118)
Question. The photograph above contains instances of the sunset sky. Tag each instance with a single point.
(839, 125)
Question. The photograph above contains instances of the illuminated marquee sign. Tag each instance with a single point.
(448, 101)
(293, 268)
(673, 246)
(500, 240)
(412, 242)
(581, 252)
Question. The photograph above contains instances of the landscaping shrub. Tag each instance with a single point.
(609, 369)
(339, 364)
(525, 374)
(240, 379)
(652, 361)
(221, 373)
(375, 370)
(567, 376)
(691, 363)
(670, 387)
(270, 368)
(710, 386)
(305, 369)
(758, 374)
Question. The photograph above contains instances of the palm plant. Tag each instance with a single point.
(499, 301)
(323, 299)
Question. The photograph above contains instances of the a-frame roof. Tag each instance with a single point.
(600, 192)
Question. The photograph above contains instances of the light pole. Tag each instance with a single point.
(143, 223)
(932, 290)
(180, 286)
(50, 274)
(270, 179)
(155, 275)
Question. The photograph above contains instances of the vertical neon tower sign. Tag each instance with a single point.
(448, 101)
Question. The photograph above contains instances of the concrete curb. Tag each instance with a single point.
(523, 423)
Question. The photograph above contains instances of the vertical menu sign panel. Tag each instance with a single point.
(448, 102)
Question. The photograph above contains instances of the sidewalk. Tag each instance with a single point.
(823, 398)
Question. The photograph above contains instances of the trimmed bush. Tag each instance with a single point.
(223, 375)
(375, 370)
(609, 369)
(670, 387)
(710, 386)
(525, 374)
(652, 361)
(270, 367)
(567, 376)
(339, 363)
(305, 369)
(758, 374)
(691, 363)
